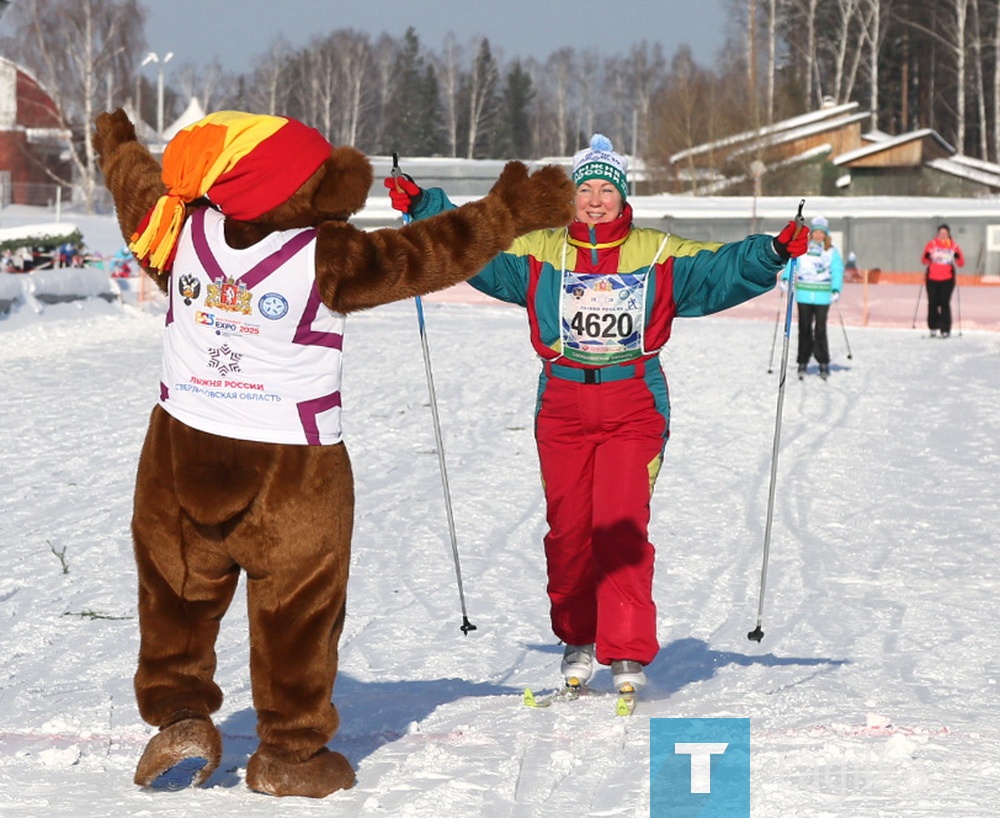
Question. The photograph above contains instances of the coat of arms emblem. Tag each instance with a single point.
(227, 294)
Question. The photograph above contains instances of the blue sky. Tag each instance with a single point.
(237, 31)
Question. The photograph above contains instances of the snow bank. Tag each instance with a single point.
(11, 289)
(71, 284)
(57, 286)
(29, 233)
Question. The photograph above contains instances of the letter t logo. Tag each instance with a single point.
(701, 763)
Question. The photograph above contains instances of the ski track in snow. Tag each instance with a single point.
(874, 691)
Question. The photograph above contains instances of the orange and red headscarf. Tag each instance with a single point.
(246, 164)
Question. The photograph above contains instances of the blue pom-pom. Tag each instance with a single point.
(599, 142)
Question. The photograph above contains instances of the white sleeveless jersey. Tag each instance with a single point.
(815, 268)
(250, 351)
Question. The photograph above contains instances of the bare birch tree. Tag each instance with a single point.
(315, 86)
(951, 35)
(874, 33)
(681, 111)
(847, 51)
(644, 74)
(483, 80)
(558, 77)
(616, 89)
(269, 83)
(589, 81)
(751, 65)
(449, 70)
(958, 46)
(209, 84)
(809, 54)
(349, 53)
(772, 60)
(384, 55)
(996, 82)
(83, 53)
(978, 84)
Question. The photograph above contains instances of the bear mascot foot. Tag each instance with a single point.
(181, 741)
(273, 773)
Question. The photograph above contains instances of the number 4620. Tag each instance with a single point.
(608, 325)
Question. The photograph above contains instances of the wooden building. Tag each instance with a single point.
(32, 137)
(829, 152)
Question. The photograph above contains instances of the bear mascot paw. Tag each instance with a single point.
(244, 226)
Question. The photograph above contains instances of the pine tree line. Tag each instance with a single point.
(383, 94)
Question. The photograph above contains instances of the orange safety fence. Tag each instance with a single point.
(898, 299)
(877, 276)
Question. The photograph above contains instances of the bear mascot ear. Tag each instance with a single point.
(346, 181)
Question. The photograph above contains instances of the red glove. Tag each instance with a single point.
(403, 192)
(792, 242)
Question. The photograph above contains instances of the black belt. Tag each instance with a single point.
(604, 374)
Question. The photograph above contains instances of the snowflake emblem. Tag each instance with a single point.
(224, 359)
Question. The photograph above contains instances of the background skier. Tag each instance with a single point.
(818, 281)
(941, 256)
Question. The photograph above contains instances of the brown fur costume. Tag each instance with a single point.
(207, 507)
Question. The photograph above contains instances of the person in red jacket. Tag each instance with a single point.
(942, 256)
(601, 297)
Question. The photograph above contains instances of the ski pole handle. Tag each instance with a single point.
(395, 173)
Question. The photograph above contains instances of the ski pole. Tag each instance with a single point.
(916, 309)
(466, 624)
(757, 633)
(958, 292)
(841, 314)
(774, 341)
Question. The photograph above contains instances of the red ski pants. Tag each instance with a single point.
(600, 448)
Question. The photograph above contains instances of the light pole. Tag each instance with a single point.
(152, 56)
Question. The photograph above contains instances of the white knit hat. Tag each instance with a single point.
(820, 223)
(600, 161)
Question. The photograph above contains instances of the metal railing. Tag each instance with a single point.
(51, 196)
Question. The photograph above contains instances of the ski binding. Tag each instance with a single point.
(570, 692)
(627, 700)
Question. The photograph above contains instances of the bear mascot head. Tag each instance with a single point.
(244, 227)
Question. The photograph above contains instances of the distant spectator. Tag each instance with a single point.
(7, 264)
(851, 271)
(943, 256)
(121, 263)
(67, 251)
(26, 257)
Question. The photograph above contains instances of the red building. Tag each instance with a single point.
(32, 136)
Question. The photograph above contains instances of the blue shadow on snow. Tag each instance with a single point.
(687, 661)
(372, 714)
(376, 713)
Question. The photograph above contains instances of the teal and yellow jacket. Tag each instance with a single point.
(605, 295)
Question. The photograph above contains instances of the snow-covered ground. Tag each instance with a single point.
(874, 691)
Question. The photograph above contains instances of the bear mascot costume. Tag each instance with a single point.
(244, 227)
